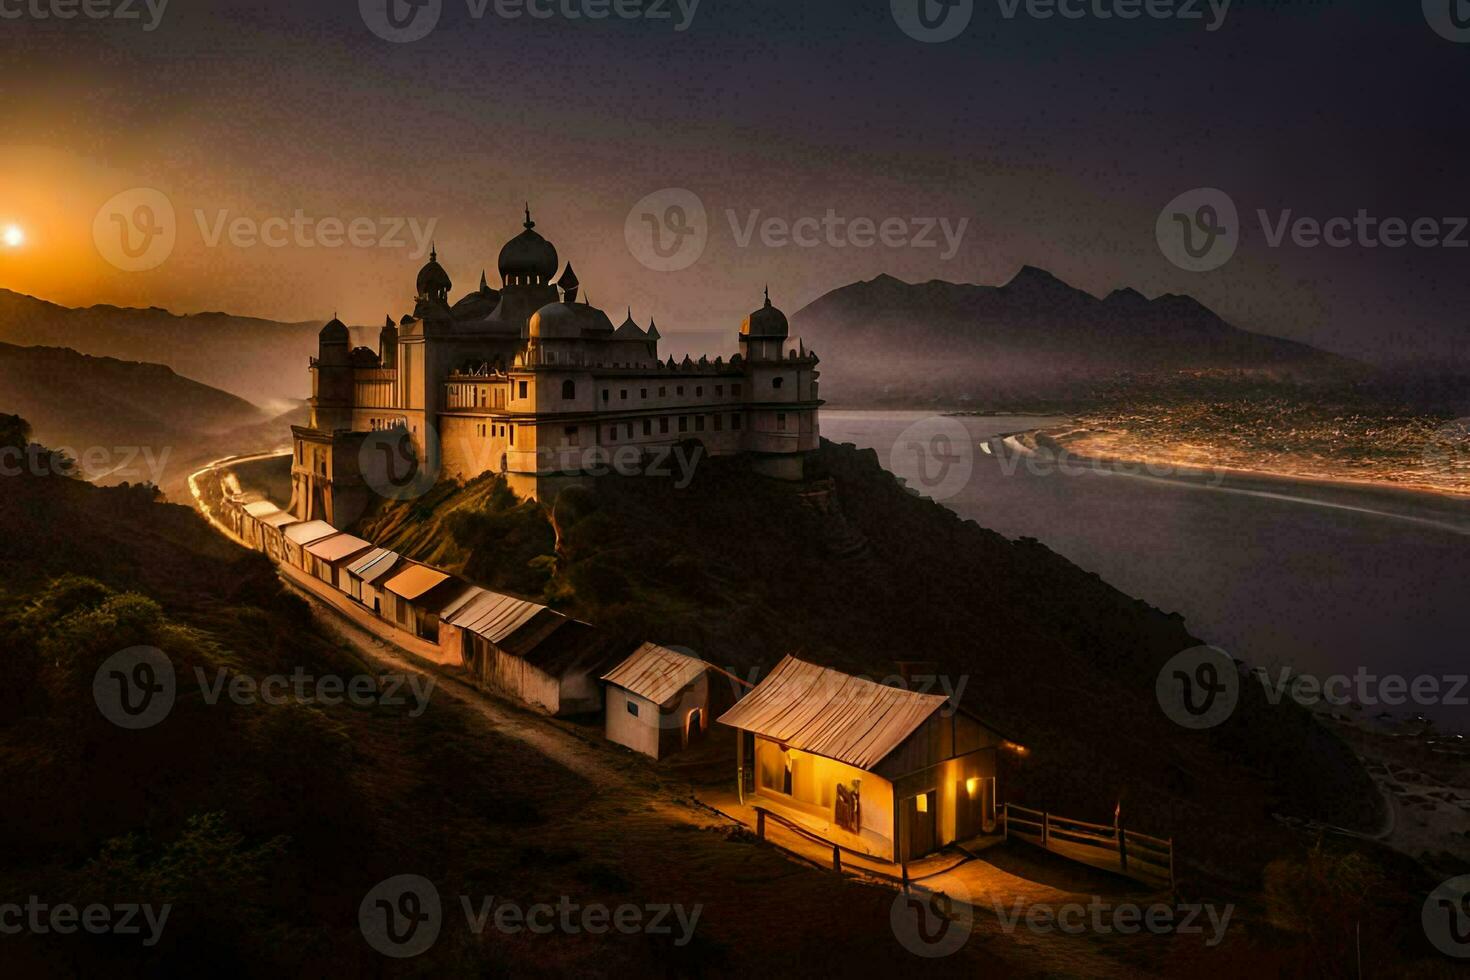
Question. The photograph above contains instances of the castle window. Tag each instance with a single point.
(735, 421)
(512, 435)
(633, 710)
(719, 423)
(568, 390)
(605, 394)
(663, 425)
(735, 390)
(699, 423)
(612, 433)
(683, 423)
(663, 392)
(571, 434)
(628, 430)
(623, 394)
(780, 421)
(642, 392)
(679, 390)
(699, 391)
(523, 389)
(776, 382)
(719, 391)
(648, 427)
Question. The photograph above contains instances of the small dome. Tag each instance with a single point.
(528, 256)
(766, 322)
(555, 321)
(334, 332)
(567, 321)
(432, 277)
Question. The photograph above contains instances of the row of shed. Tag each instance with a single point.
(873, 769)
(663, 698)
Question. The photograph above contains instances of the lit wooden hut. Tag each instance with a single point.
(879, 770)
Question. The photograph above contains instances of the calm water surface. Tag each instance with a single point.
(1276, 572)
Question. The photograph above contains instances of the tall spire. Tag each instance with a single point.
(529, 223)
(483, 284)
(433, 251)
(768, 294)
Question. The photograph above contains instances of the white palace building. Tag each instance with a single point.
(527, 381)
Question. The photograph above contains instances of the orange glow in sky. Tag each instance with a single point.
(14, 236)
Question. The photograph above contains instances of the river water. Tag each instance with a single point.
(1333, 581)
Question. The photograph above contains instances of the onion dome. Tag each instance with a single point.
(334, 332)
(528, 259)
(766, 323)
(433, 280)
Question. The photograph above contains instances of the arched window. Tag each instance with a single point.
(568, 390)
(776, 382)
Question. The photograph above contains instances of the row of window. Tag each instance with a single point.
(700, 423)
(569, 391)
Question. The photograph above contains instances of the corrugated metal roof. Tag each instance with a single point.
(310, 532)
(278, 520)
(832, 714)
(337, 548)
(414, 581)
(373, 565)
(492, 615)
(261, 508)
(656, 673)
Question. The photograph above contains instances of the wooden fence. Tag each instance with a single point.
(1139, 856)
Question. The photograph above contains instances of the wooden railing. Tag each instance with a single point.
(1139, 856)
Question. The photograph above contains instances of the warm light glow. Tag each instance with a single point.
(972, 786)
(1013, 747)
(921, 803)
(15, 236)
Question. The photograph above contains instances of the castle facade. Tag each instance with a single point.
(528, 381)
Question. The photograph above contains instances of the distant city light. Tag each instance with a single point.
(14, 236)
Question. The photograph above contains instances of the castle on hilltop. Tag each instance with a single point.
(528, 382)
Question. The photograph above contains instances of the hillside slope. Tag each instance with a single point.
(1035, 336)
(127, 422)
(741, 569)
(262, 361)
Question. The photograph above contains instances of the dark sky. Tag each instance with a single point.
(1058, 141)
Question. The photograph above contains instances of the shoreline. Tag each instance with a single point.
(1165, 468)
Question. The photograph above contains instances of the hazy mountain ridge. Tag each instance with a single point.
(892, 341)
(80, 402)
(263, 361)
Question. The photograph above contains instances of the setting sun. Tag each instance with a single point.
(14, 236)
